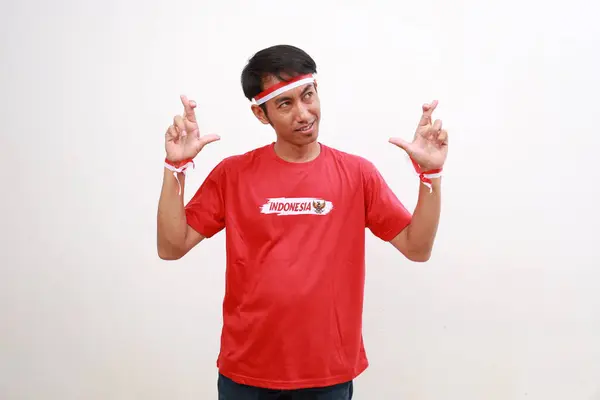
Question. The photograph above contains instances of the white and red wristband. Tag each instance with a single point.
(179, 167)
(426, 176)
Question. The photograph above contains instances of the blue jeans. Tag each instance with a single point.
(230, 390)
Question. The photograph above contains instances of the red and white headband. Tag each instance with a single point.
(282, 87)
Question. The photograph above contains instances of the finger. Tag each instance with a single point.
(172, 134)
(180, 125)
(188, 107)
(403, 144)
(427, 111)
(437, 125)
(443, 137)
(191, 128)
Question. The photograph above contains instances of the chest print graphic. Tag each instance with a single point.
(296, 206)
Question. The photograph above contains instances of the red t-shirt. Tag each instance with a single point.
(295, 235)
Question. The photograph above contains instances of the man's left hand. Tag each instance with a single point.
(429, 147)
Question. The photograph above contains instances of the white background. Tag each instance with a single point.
(507, 308)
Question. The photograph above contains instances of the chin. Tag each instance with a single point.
(308, 138)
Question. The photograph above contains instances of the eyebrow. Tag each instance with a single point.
(307, 88)
(287, 98)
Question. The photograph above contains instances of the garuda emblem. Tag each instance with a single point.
(318, 206)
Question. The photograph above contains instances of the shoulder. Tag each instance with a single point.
(242, 161)
(351, 161)
(358, 168)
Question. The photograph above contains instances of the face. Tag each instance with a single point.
(294, 114)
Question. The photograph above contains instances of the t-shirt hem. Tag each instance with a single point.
(293, 385)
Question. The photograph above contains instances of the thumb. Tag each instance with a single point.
(403, 144)
(206, 139)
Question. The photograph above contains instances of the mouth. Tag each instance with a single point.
(306, 128)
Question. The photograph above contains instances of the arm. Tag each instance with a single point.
(175, 238)
(428, 152)
(175, 235)
(416, 241)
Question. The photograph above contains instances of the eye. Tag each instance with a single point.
(308, 95)
(283, 104)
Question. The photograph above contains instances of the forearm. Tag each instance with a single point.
(171, 220)
(424, 224)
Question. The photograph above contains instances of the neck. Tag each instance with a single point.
(295, 153)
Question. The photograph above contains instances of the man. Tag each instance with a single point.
(295, 212)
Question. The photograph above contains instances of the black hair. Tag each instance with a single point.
(275, 60)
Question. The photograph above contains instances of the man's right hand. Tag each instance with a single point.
(183, 140)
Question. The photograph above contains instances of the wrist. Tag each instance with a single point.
(434, 184)
(184, 163)
(428, 177)
(178, 168)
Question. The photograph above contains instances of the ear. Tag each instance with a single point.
(260, 114)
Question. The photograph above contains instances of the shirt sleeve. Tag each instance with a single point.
(205, 212)
(385, 215)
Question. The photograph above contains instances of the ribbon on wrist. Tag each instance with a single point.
(426, 176)
(179, 167)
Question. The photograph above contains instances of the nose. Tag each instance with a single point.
(302, 113)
